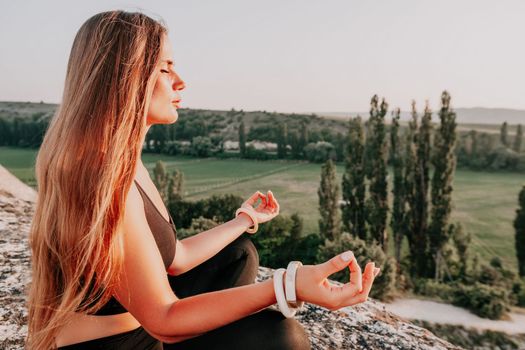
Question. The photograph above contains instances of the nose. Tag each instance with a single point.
(178, 83)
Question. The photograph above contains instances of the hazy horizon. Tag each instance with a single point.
(294, 56)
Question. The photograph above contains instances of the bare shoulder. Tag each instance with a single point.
(143, 287)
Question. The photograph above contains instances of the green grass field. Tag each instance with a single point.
(485, 203)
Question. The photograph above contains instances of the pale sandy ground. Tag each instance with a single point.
(432, 311)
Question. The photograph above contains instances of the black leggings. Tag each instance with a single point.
(235, 265)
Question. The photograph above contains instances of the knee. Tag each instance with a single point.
(247, 249)
(290, 334)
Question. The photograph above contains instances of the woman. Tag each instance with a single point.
(107, 269)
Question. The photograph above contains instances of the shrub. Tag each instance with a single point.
(320, 151)
(432, 288)
(483, 300)
(518, 293)
(201, 146)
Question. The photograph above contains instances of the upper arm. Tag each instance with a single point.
(177, 266)
(143, 287)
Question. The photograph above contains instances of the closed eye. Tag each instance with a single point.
(164, 71)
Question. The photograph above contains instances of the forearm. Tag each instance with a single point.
(202, 313)
(202, 246)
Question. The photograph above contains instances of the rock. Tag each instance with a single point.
(364, 326)
(16, 210)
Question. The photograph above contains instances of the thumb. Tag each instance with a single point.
(337, 263)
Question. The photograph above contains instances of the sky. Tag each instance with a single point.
(293, 56)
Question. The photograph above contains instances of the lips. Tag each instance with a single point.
(176, 103)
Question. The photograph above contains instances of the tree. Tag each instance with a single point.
(297, 148)
(160, 179)
(421, 185)
(398, 190)
(201, 146)
(518, 139)
(444, 161)
(175, 186)
(297, 227)
(519, 226)
(329, 223)
(462, 242)
(303, 138)
(376, 172)
(242, 139)
(282, 136)
(415, 193)
(504, 134)
(353, 208)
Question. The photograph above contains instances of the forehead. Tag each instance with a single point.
(166, 51)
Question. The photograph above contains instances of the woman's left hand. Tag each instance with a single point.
(266, 210)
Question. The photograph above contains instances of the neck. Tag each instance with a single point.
(140, 165)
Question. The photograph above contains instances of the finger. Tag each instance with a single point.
(272, 201)
(356, 275)
(369, 277)
(275, 202)
(337, 263)
(264, 200)
(269, 203)
(253, 199)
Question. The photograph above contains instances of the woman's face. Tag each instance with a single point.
(165, 98)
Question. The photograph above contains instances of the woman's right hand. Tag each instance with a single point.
(312, 285)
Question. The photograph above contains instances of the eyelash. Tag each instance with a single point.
(164, 71)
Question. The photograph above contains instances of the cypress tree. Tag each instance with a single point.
(242, 139)
(294, 141)
(504, 134)
(303, 138)
(398, 209)
(329, 223)
(297, 227)
(518, 139)
(444, 161)
(175, 186)
(377, 204)
(281, 140)
(160, 179)
(420, 200)
(354, 189)
(519, 226)
(412, 179)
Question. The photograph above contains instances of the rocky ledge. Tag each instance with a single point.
(364, 326)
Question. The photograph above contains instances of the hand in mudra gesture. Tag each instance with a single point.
(266, 210)
(312, 285)
(311, 281)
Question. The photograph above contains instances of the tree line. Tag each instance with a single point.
(438, 261)
(202, 133)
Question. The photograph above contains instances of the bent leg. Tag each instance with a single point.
(235, 265)
(267, 329)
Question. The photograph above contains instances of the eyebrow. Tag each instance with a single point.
(170, 62)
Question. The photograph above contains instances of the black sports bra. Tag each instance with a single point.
(165, 234)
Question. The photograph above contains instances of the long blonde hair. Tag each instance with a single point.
(85, 168)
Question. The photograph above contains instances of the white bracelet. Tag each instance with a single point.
(289, 282)
(279, 294)
(250, 214)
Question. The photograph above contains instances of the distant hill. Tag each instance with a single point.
(475, 115)
(9, 109)
(482, 119)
